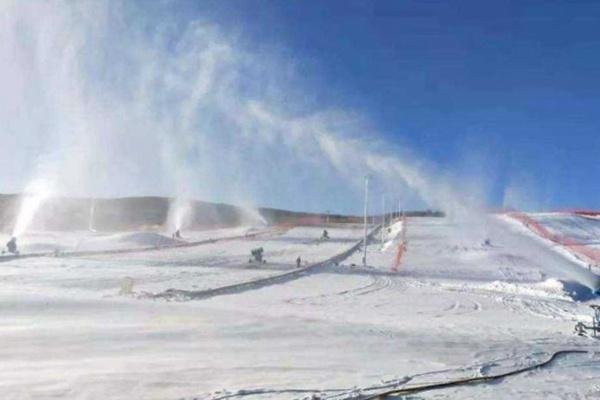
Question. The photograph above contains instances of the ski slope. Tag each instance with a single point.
(585, 230)
(470, 298)
(574, 236)
(76, 241)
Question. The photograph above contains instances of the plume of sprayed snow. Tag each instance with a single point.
(251, 216)
(180, 214)
(35, 194)
(182, 110)
(521, 193)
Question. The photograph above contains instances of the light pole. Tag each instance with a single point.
(92, 214)
(382, 217)
(365, 221)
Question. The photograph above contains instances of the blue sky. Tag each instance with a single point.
(515, 83)
(272, 103)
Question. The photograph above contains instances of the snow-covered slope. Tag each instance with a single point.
(582, 229)
(44, 241)
(573, 236)
(75, 328)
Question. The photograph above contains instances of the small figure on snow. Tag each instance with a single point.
(298, 262)
(325, 235)
(11, 245)
(257, 256)
(177, 234)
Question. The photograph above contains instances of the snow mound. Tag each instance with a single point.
(549, 288)
(127, 240)
(148, 239)
(394, 230)
(42, 247)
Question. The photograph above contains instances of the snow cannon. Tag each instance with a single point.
(11, 246)
(257, 256)
(582, 329)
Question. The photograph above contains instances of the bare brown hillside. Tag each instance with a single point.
(61, 213)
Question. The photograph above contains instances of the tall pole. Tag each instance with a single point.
(382, 217)
(365, 224)
(92, 213)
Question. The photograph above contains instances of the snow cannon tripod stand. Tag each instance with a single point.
(582, 329)
(257, 256)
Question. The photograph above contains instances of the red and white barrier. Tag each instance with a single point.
(582, 251)
(401, 249)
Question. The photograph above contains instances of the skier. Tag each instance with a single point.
(325, 234)
(177, 234)
(298, 262)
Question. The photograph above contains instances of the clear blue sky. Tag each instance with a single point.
(177, 97)
(516, 82)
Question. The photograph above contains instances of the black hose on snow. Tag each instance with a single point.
(471, 381)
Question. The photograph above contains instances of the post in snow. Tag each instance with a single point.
(365, 221)
(382, 218)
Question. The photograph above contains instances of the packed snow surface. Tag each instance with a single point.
(584, 230)
(41, 242)
(470, 298)
(574, 236)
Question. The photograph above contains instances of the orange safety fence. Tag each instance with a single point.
(401, 249)
(582, 251)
